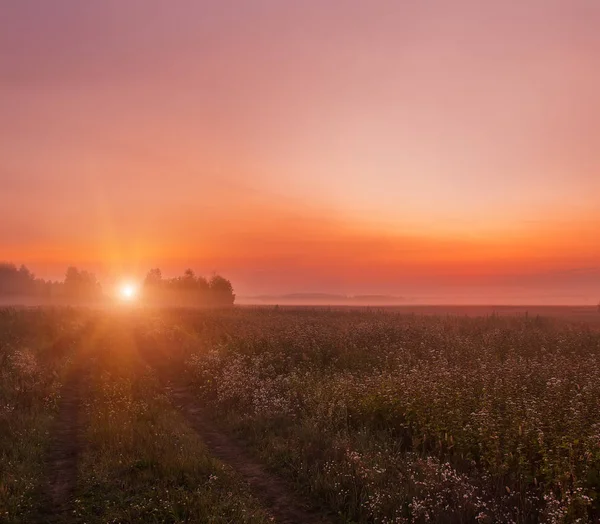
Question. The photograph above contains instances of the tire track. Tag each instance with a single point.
(64, 451)
(277, 495)
(65, 442)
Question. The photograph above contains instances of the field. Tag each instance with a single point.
(300, 415)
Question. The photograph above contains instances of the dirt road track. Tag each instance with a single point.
(277, 496)
(65, 438)
(64, 450)
(280, 500)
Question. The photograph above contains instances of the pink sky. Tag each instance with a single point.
(414, 148)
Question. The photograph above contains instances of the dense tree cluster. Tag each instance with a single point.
(82, 286)
(188, 289)
(21, 282)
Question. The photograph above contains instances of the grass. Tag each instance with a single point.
(393, 418)
(35, 347)
(141, 462)
(381, 417)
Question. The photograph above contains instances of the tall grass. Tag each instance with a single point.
(141, 462)
(395, 418)
(35, 349)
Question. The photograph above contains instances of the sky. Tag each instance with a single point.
(433, 149)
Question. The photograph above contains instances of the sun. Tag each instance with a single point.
(128, 291)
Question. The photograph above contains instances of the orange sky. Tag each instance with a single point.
(426, 149)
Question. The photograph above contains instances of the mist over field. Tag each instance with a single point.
(341, 148)
(299, 262)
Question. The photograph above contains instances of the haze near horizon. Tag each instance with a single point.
(415, 149)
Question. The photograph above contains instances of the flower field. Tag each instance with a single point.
(370, 415)
(391, 418)
(35, 350)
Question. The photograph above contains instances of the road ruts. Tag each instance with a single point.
(276, 495)
(65, 442)
(63, 452)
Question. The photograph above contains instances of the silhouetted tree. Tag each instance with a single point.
(221, 291)
(188, 289)
(189, 277)
(19, 281)
(81, 285)
(78, 285)
(152, 286)
(202, 287)
(153, 278)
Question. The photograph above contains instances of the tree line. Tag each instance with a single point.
(83, 286)
(188, 289)
(20, 281)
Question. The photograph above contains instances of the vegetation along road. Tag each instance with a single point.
(297, 416)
